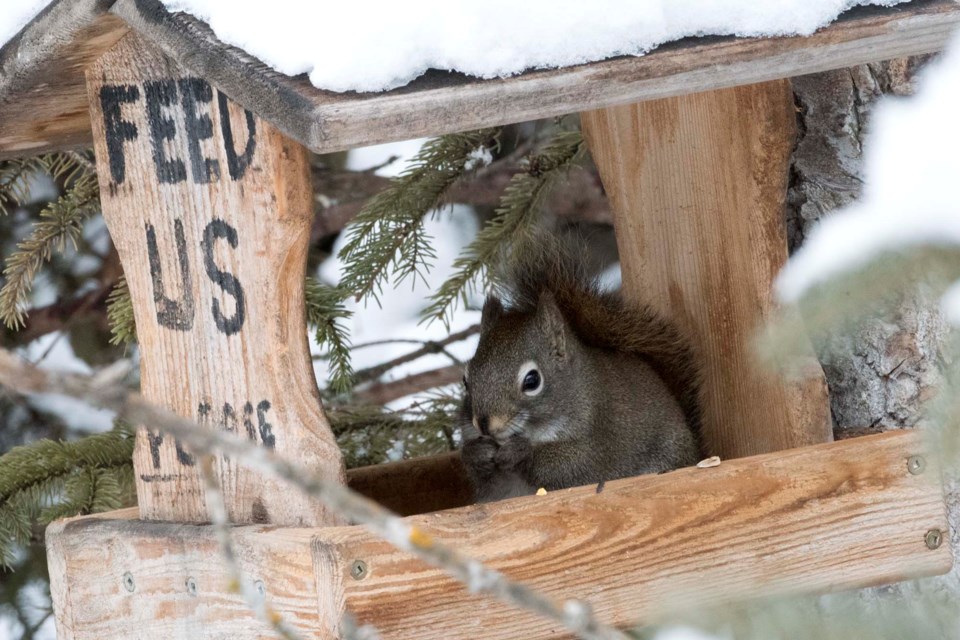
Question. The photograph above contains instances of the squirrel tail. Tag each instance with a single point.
(604, 319)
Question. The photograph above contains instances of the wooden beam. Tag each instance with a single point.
(822, 518)
(698, 184)
(43, 95)
(420, 485)
(445, 102)
(210, 210)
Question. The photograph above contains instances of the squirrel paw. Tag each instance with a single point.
(513, 453)
(478, 456)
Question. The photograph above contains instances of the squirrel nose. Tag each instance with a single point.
(483, 423)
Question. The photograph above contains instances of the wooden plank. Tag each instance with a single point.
(698, 185)
(822, 518)
(210, 210)
(444, 102)
(43, 95)
(420, 485)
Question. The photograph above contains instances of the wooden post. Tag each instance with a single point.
(210, 209)
(697, 184)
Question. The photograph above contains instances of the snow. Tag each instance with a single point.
(365, 158)
(53, 352)
(15, 16)
(683, 633)
(375, 45)
(911, 167)
(398, 316)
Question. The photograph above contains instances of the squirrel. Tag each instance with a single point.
(573, 385)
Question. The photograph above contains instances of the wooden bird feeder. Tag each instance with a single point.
(202, 162)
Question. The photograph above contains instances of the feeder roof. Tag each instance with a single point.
(43, 101)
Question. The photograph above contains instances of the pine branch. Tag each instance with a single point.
(46, 480)
(15, 183)
(325, 311)
(369, 434)
(60, 224)
(512, 222)
(123, 325)
(389, 231)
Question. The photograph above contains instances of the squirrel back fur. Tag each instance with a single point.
(603, 318)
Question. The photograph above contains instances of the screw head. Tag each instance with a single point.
(128, 583)
(933, 539)
(191, 586)
(916, 464)
(358, 570)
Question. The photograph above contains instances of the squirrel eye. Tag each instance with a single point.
(532, 383)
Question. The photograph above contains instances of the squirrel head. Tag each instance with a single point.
(524, 374)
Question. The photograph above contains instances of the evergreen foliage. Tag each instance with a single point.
(325, 312)
(370, 434)
(46, 480)
(389, 231)
(512, 224)
(123, 326)
(60, 223)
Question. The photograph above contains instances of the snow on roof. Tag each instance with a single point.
(375, 45)
(910, 191)
(16, 14)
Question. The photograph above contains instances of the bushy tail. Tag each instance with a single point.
(603, 319)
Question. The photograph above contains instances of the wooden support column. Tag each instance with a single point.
(698, 184)
(210, 209)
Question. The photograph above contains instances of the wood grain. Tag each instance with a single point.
(440, 102)
(43, 95)
(420, 485)
(697, 184)
(210, 210)
(821, 518)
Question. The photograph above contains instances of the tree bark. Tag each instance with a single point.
(879, 376)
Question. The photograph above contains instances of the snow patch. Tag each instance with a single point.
(478, 158)
(910, 199)
(16, 14)
(684, 633)
(375, 45)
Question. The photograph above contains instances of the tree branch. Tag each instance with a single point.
(372, 373)
(385, 392)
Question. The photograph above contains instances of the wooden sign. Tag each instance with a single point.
(697, 185)
(210, 209)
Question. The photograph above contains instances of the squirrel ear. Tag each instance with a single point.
(552, 323)
(492, 310)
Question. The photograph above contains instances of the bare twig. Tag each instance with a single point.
(385, 392)
(429, 347)
(104, 390)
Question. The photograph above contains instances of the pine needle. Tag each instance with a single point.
(325, 312)
(60, 224)
(511, 224)
(389, 231)
(123, 326)
(46, 480)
